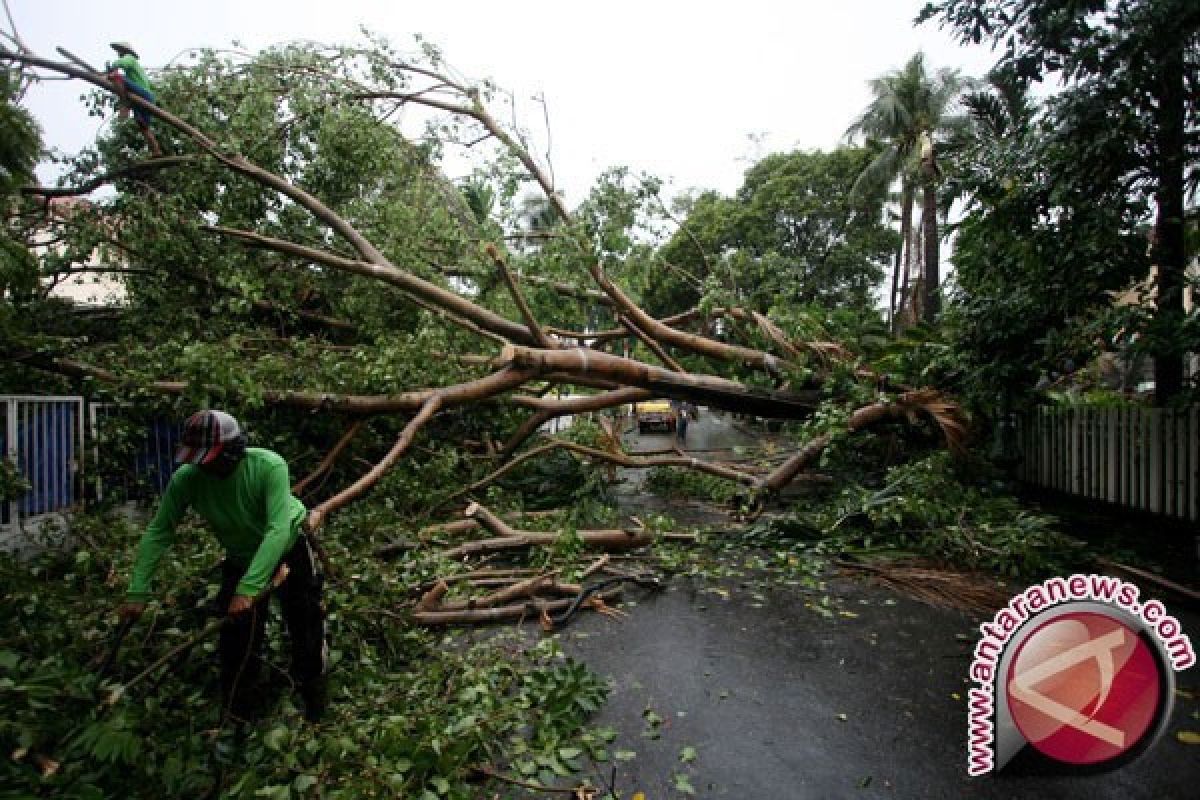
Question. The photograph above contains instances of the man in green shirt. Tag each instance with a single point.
(244, 495)
(127, 73)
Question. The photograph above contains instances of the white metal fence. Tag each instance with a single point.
(1146, 459)
(42, 437)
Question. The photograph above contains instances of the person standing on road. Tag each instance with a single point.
(244, 495)
(681, 424)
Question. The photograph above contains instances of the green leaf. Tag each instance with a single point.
(277, 792)
(687, 755)
(304, 782)
(276, 737)
(683, 784)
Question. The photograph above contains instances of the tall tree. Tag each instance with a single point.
(1042, 244)
(1132, 67)
(911, 112)
(794, 234)
(20, 148)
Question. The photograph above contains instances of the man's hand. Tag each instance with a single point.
(240, 604)
(130, 610)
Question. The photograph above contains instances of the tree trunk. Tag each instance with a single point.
(902, 254)
(912, 262)
(1169, 244)
(931, 290)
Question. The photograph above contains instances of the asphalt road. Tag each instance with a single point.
(714, 431)
(780, 701)
(771, 691)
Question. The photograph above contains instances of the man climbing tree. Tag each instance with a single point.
(127, 73)
(243, 493)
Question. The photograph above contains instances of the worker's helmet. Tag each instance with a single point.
(122, 48)
(208, 434)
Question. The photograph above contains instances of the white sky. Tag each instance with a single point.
(677, 89)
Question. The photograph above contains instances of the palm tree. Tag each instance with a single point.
(910, 113)
(480, 198)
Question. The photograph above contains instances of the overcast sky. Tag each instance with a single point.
(689, 91)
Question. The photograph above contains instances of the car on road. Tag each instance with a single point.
(655, 415)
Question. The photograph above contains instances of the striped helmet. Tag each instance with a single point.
(205, 435)
(122, 48)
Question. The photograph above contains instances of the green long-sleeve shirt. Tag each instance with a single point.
(252, 512)
(133, 71)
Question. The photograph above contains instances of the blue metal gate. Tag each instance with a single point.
(42, 438)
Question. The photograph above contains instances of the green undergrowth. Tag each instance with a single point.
(675, 483)
(958, 514)
(934, 508)
(412, 714)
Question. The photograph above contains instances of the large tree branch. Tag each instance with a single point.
(387, 273)
(661, 332)
(561, 406)
(654, 346)
(508, 538)
(472, 391)
(705, 389)
(237, 163)
(526, 312)
(551, 408)
(362, 485)
(947, 416)
(330, 458)
(149, 165)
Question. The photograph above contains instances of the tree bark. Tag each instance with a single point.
(931, 290)
(509, 538)
(531, 609)
(704, 389)
(906, 209)
(1170, 246)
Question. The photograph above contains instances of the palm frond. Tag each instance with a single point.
(947, 414)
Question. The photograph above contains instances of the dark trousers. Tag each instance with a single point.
(241, 641)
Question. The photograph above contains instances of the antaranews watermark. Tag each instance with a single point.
(1078, 668)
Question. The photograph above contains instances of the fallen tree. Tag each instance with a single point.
(244, 202)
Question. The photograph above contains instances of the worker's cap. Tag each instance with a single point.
(123, 48)
(205, 435)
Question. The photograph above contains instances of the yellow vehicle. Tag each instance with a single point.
(655, 414)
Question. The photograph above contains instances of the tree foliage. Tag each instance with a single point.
(793, 235)
(1128, 111)
(1042, 245)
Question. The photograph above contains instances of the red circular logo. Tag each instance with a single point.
(1084, 688)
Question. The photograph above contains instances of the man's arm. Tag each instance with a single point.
(159, 535)
(279, 536)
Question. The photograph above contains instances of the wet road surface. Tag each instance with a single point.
(779, 701)
(843, 691)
